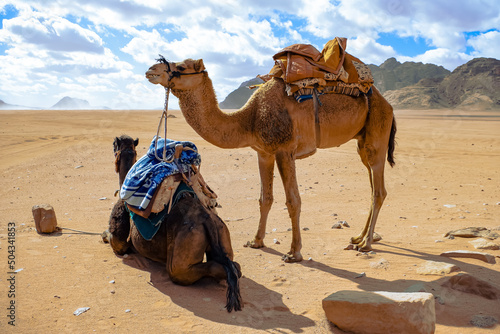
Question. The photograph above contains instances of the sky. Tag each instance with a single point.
(99, 50)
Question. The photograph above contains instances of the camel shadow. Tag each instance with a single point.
(447, 301)
(263, 309)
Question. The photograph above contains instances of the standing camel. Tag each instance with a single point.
(282, 130)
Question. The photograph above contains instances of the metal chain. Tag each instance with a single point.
(163, 116)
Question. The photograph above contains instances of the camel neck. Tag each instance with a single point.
(202, 112)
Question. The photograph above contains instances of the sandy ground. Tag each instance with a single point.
(443, 157)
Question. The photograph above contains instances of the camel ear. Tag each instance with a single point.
(116, 144)
(136, 141)
(198, 65)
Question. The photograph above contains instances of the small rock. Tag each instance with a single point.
(45, 218)
(81, 310)
(449, 206)
(473, 232)
(79, 166)
(436, 268)
(488, 258)
(484, 244)
(127, 311)
(305, 229)
(350, 247)
(439, 300)
(376, 237)
(337, 225)
(103, 198)
(112, 292)
(344, 223)
(363, 274)
(483, 321)
(276, 241)
(380, 264)
(112, 281)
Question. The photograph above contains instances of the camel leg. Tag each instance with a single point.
(185, 256)
(286, 167)
(266, 170)
(374, 160)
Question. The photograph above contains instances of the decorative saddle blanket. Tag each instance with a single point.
(304, 69)
(145, 176)
(153, 186)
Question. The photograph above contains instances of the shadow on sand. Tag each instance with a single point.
(263, 309)
(449, 304)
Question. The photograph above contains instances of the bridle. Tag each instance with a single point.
(176, 74)
(171, 74)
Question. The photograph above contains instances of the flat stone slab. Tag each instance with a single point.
(470, 284)
(483, 243)
(473, 232)
(488, 258)
(381, 311)
(436, 268)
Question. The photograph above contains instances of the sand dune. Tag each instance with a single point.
(443, 157)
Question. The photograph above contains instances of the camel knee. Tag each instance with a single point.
(379, 197)
(266, 202)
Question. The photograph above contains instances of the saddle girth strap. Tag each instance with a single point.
(317, 103)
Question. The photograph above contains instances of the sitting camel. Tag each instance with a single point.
(281, 130)
(186, 234)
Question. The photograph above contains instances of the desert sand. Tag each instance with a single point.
(446, 177)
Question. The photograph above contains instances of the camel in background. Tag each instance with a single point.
(281, 130)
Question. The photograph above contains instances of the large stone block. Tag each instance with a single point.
(381, 311)
(45, 218)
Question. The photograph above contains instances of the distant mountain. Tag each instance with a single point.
(475, 84)
(237, 98)
(392, 75)
(71, 103)
(7, 106)
(413, 85)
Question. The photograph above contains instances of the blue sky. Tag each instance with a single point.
(98, 50)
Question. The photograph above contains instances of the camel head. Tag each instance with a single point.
(125, 155)
(179, 76)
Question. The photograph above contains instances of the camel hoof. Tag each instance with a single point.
(105, 236)
(254, 244)
(363, 248)
(290, 258)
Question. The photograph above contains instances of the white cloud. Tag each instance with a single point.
(101, 49)
(486, 45)
(447, 58)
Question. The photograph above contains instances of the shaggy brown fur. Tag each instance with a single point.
(282, 130)
(187, 233)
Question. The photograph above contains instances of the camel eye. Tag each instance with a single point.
(180, 68)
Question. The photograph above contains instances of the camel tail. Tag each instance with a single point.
(392, 143)
(218, 255)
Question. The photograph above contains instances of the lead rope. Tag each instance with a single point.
(163, 116)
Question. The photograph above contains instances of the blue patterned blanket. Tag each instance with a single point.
(148, 172)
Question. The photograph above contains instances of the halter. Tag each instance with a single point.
(177, 74)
